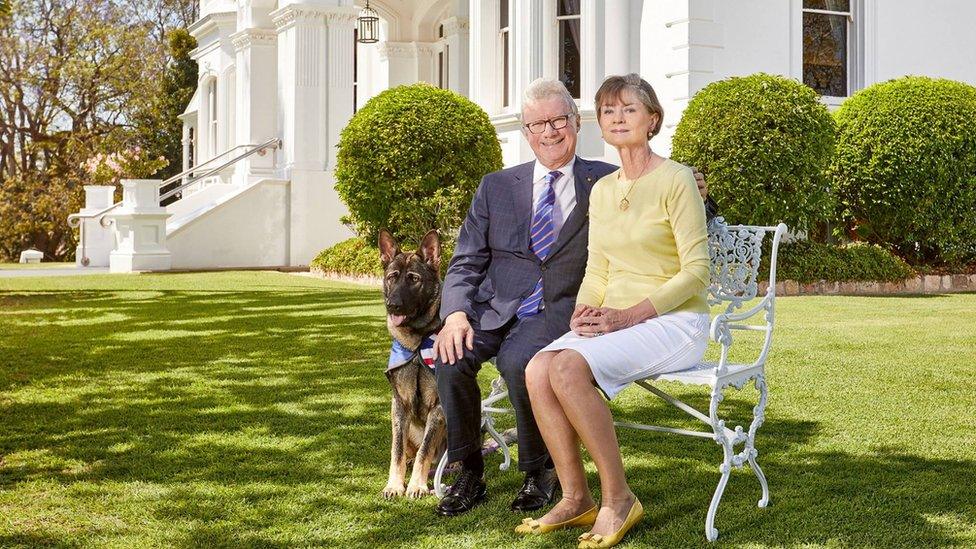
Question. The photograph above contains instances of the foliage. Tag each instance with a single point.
(411, 159)
(357, 257)
(157, 123)
(905, 168)
(109, 169)
(806, 261)
(250, 410)
(74, 77)
(763, 142)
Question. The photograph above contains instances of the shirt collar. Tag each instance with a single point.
(541, 171)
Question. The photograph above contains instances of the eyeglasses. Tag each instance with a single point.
(557, 123)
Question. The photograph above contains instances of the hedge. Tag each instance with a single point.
(410, 161)
(905, 168)
(356, 257)
(763, 142)
(805, 261)
(802, 261)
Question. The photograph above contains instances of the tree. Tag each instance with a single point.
(157, 124)
(74, 76)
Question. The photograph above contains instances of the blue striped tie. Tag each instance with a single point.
(542, 237)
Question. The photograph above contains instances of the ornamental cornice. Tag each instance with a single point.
(296, 14)
(405, 50)
(253, 37)
(211, 22)
(455, 25)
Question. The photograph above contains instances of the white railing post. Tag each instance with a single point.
(140, 229)
(95, 242)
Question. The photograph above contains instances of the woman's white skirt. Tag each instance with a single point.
(667, 343)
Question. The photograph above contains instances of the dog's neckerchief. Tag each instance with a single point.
(400, 355)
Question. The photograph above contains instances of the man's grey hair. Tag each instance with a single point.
(545, 88)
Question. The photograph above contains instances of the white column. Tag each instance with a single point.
(527, 27)
(409, 62)
(677, 56)
(315, 53)
(456, 31)
(257, 65)
(140, 229)
(98, 240)
(482, 72)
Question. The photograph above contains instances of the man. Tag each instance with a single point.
(511, 288)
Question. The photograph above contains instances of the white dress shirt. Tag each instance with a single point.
(564, 188)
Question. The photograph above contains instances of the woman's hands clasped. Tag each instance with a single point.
(590, 321)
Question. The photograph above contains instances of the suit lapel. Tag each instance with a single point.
(583, 180)
(523, 204)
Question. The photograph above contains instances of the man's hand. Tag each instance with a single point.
(456, 331)
(700, 179)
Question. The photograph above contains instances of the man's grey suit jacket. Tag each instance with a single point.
(493, 268)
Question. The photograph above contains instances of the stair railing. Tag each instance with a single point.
(75, 220)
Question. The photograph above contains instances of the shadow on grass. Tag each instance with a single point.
(260, 418)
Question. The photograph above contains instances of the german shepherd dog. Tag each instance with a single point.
(412, 293)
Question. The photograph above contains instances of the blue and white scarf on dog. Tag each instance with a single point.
(400, 355)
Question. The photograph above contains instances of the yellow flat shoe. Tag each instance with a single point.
(533, 526)
(590, 540)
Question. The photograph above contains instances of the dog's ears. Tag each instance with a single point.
(388, 247)
(430, 248)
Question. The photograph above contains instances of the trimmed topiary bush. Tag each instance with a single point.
(357, 257)
(805, 261)
(905, 168)
(763, 142)
(411, 159)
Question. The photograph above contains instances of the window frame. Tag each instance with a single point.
(855, 47)
(558, 45)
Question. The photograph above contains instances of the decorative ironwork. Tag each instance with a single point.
(369, 26)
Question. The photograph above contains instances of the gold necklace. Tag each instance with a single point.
(624, 203)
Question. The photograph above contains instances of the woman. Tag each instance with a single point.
(640, 311)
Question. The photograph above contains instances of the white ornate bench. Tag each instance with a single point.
(736, 252)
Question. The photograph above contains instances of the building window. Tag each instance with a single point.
(828, 44)
(442, 62)
(504, 38)
(568, 19)
(212, 116)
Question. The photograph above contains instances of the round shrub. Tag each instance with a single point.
(411, 159)
(905, 168)
(763, 143)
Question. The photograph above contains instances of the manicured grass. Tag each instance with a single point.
(35, 266)
(250, 409)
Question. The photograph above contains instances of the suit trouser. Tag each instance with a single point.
(512, 345)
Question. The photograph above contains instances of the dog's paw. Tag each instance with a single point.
(393, 491)
(417, 491)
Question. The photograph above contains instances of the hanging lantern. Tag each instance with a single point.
(369, 22)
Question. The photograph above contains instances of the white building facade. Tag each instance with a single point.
(293, 70)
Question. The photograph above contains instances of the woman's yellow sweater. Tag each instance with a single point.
(657, 249)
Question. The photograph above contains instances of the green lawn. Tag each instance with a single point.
(33, 266)
(250, 409)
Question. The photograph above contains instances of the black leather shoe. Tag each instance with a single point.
(466, 492)
(537, 491)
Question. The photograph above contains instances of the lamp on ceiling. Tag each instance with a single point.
(369, 24)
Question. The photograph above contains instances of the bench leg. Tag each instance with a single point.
(759, 415)
(711, 533)
(488, 424)
(438, 473)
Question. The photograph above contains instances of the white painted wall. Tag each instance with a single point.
(932, 38)
(246, 228)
